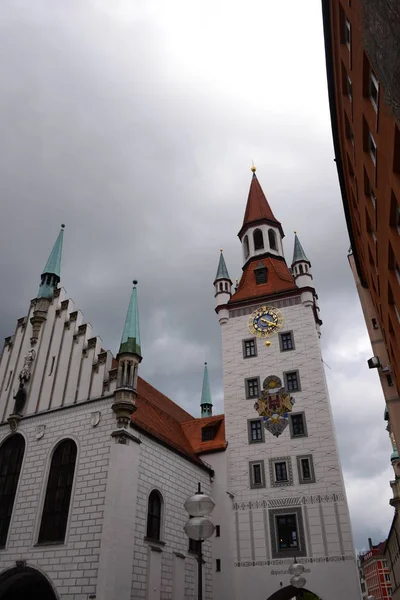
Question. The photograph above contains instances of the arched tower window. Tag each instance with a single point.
(11, 455)
(221, 287)
(301, 269)
(58, 493)
(246, 246)
(258, 239)
(272, 239)
(154, 516)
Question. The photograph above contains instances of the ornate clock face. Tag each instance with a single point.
(265, 321)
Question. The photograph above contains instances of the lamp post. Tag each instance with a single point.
(371, 598)
(296, 570)
(199, 527)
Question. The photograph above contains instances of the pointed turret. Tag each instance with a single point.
(130, 341)
(51, 274)
(129, 357)
(301, 266)
(206, 402)
(261, 233)
(223, 288)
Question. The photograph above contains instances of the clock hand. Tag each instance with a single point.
(268, 322)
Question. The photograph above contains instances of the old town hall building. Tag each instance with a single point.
(96, 464)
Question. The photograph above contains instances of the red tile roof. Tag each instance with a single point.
(279, 280)
(257, 208)
(168, 422)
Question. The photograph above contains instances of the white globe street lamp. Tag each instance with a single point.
(297, 580)
(199, 527)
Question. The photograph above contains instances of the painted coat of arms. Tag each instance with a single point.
(274, 407)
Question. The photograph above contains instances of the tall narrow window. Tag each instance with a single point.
(347, 33)
(373, 89)
(246, 246)
(154, 516)
(258, 239)
(272, 239)
(252, 387)
(58, 494)
(11, 455)
(287, 532)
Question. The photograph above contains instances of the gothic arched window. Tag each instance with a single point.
(58, 493)
(301, 269)
(11, 455)
(272, 239)
(246, 246)
(258, 239)
(154, 516)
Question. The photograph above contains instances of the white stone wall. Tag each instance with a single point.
(324, 512)
(176, 479)
(72, 567)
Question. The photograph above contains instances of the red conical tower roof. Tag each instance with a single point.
(257, 209)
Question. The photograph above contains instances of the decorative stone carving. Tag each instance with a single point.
(124, 406)
(39, 316)
(40, 431)
(24, 376)
(95, 418)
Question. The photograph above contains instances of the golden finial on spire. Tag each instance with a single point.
(220, 249)
(294, 232)
(253, 169)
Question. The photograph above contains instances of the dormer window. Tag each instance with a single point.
(272, 239)
(258, 239)
(246, 246)
(208, 433)
(261, 273)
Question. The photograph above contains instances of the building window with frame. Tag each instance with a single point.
(372, 147)
(246, 246)
(257, 474)
(154, 516)
(347, 32)
(249, 348)
(261, 274)
(255, 431)
(297, 423)
(305, 467)
(58, 493)
(208, 433)
(292, 380)
(11, 455)
(287, 532)
(252, 387)
(286, 341)
(281, 471)
(349, 88)
(373, 89)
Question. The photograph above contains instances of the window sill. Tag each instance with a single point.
(50, 544)
(154, 541)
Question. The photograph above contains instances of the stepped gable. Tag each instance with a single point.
(159, 416)
(279, 280)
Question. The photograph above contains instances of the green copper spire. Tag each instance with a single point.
(222, 271)
(298, 253)
(130, 341)
(206, 402)
(51, 273)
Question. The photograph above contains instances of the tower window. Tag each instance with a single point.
(218, 565)
(226, 286)
(246, 246)
(375, 324)
(249, 348)
(280, 471)
(221, 287)
(257, 475)
(58, 493)
(154, 516)
(297, 422)
(255, 431)
(217, 531)
(292, 381)
(301, 269)
(286, 341)
(11, 455)
(252, 387)
(258, 239)
(261, 275)
(287, 534)
(272, 239)
(373, 89)
(306, 469)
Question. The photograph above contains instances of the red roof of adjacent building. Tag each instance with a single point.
(166, 421)
(257, 208)
(279, 280)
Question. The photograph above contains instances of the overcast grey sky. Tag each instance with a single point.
(135, 123)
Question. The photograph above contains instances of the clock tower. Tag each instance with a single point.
(284, 474)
